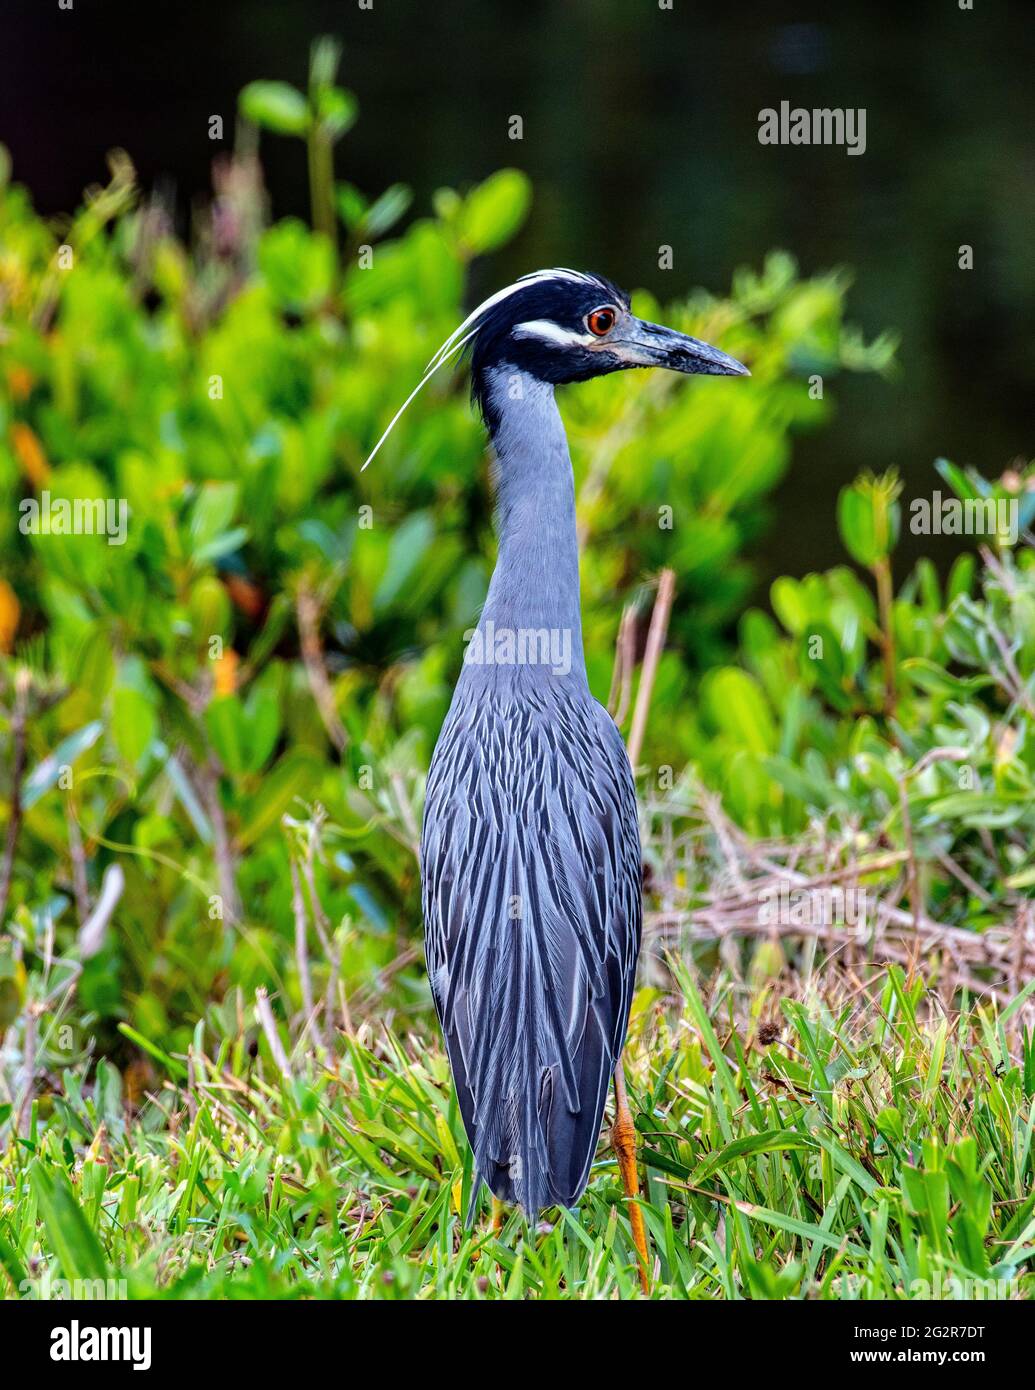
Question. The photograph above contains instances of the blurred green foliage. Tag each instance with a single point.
(280, 631)
(859, 707)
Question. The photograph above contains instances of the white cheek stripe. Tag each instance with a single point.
(551, 332)
(474, 319)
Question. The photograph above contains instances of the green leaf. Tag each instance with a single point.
(493, 211)
(298, 265)
(45, 774)
(336, 110)
(73, 1240)
(739, 707)
(174, 1068)
(787, 598)
(868, 518)
(408, 548)
(222, 545)
(276, 106)
(386, 210)
(134, 722)
(294, 775)
(262, 722)
(962, 484)
(889, 1122)
(976, 808)
(961, 576)
(806, 1230)
(212, 513)
(351, 204)
(11, 1264)
(224, 720)
(822, 659)
(769, 1141)
(928, 675)
(1017, 1002)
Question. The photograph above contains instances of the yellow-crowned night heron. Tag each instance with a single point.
(530, 850)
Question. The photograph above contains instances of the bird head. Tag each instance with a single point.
(561, 326)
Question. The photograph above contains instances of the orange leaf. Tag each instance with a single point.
(19, 379)
(226, 672)
(30, 454)
(10, 612)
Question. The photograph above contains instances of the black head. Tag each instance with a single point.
(563, 325)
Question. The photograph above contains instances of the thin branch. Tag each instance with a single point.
(208, 778)
(302, 952)
(885, 604)
(323, 928)
(22, 684)
(651, 657)
(406, 811)
(78, 858)
(625, 659)
(308, 609)
(264, 1014)
(912, 873)
(29, 1050)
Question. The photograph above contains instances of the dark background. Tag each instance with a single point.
(640, 128)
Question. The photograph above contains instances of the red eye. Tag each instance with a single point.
(601, 321)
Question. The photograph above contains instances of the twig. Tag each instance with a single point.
(323, 927)
(346, 1014)
(622, 676)
(302, 952)
(29, 1050)
(320, 919)
(78, 858)
(1006, 949)
(715, 930)
(264, 1014)
(375, 987)
(1022, 932)
(912, 876)
(222, 849)
(971, 884)
(22, 684)
(712, 809)
(308, 610)
(885, 604)
(916, 902)
(192, 1081)
(651, 657)
(406, 811)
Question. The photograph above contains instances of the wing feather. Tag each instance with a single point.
(532, 901)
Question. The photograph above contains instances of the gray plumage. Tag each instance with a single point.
(530, 850)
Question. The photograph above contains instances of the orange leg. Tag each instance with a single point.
(623, 1140)
(498, 1213)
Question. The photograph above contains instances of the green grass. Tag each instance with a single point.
(838, 1144)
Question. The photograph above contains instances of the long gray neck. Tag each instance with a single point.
(534, 593)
